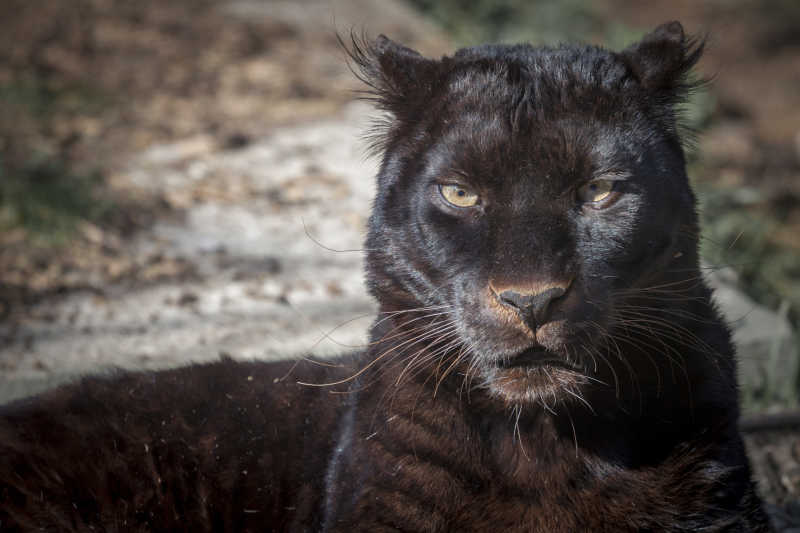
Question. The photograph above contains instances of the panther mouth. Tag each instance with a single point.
(533, 357)
(535, 374)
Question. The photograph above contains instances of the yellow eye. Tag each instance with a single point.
(595, 191)
(458, 196)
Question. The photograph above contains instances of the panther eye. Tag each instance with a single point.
(596, 191)
(458, 196)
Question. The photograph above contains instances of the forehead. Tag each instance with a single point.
(560, 113)
(550, 81)
(489, 146)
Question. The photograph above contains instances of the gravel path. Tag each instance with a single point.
(265, 283)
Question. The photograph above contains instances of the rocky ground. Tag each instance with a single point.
(234, 159)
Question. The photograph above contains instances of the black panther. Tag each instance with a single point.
(547, 356)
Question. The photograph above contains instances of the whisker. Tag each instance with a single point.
(448, 331)
(371, 363)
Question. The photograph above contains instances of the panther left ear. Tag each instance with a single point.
(398, 77)
(663, 58)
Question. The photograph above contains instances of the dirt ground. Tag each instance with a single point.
(230, 149)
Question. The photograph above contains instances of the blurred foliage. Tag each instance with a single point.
(747, 231)
(42, 100)
(539, 22)
(47, 200)
(42, 192)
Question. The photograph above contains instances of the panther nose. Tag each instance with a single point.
(533, 305)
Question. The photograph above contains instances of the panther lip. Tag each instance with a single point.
(535, 356)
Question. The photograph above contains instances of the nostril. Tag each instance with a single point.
(516, 300)
(532, 306)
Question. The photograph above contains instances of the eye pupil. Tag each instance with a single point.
(458, 196)
(595, 191)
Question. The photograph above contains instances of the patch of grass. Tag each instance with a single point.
(41, 192)
(47, 200)
(40, 102)
(539, 21)
(746, 231)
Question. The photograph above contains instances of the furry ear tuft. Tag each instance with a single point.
(396, 76)
(663, 58)
(398, 79)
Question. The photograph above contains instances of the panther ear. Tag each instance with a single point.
(663, 58)
(398, 77)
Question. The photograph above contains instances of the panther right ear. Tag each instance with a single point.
(661, 61)
(398, 78)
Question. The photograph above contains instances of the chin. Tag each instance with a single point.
(545, 370)
(548, 385)
(536, 375)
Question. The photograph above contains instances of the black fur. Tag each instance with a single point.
(611, 407)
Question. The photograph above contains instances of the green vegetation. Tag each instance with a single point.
(749, 234)
(542, 21)
(41, 100)
(41, 190)
(47, 200)
(745, 231)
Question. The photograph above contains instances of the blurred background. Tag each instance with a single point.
(185, 179)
